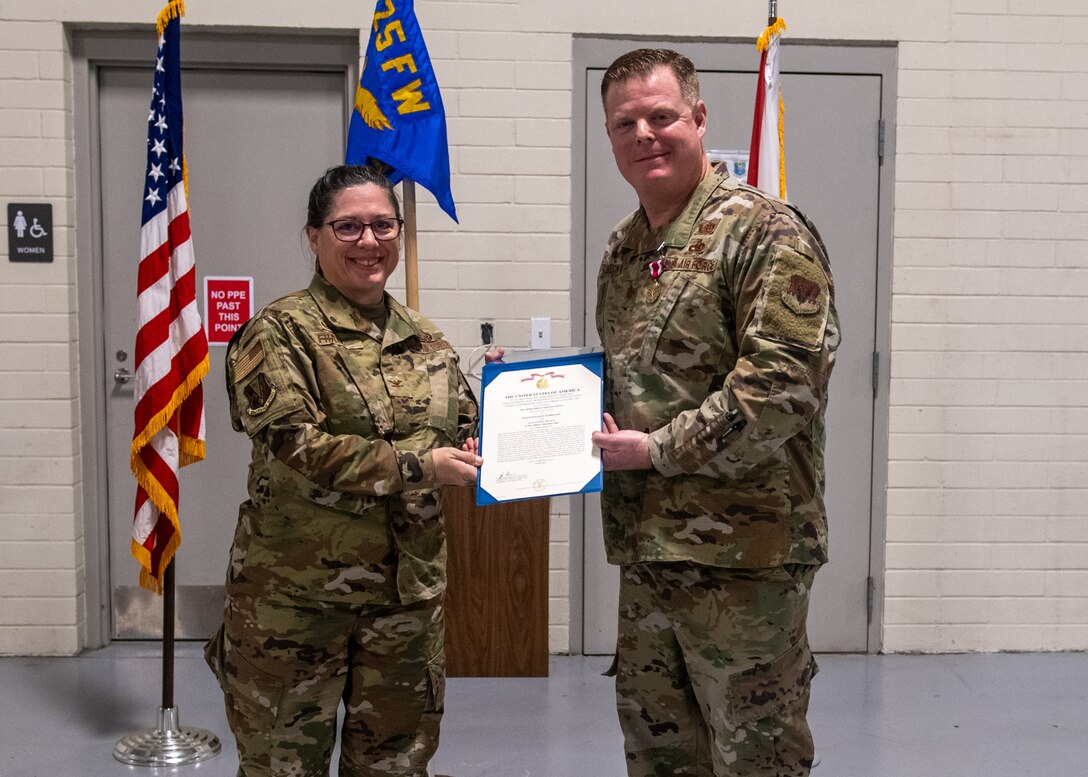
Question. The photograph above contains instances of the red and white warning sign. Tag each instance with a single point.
(228, 303)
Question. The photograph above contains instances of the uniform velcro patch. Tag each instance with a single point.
(249, 361)
(796, 300)
(259, 394)
(323, 337)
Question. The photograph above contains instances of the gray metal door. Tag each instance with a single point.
(833, 174)
(255, 140)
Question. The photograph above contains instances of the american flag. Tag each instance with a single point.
(767, 155)
(171, 346)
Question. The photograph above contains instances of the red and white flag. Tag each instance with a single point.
(767, 156)
(171, 346)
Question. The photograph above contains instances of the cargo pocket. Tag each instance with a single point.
(764, 689)
(253, 697)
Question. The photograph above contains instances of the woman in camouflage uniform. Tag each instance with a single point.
(358, 413)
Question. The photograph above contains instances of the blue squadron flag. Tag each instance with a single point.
(398, 118)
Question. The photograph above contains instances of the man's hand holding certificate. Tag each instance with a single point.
(538, 415)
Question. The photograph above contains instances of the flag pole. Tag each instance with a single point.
(411, 250)
(168, 599)
(168, 744)
(175, 417)
(772, 11)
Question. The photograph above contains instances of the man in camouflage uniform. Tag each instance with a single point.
(716, 313)
(336, 580)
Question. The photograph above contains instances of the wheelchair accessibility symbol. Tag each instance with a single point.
(29, 227)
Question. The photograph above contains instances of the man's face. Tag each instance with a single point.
(657, 138)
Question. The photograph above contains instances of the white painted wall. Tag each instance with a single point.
(987, 526)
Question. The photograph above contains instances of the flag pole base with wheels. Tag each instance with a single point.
(168, 744)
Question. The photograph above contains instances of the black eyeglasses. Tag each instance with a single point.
(350, 230)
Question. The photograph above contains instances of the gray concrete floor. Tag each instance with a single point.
(1020, 715)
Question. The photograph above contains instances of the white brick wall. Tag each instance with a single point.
(989, 444)
(41, 540)
(987, 529)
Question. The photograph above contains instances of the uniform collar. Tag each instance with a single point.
(679, 232)
(341, 313)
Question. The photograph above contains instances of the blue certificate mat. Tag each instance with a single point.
(538, 411)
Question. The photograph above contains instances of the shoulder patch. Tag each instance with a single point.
(249, 361)
(259, 394)
(796, 300)
(802, 296)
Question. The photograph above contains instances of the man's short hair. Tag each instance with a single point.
(640, 63)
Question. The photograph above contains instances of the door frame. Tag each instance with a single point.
(803, 56)
(335, 51)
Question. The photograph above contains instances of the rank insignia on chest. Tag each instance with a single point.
(325, 337)
(259, 394)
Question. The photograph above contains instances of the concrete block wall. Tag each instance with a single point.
(987, 532)
(42, 573)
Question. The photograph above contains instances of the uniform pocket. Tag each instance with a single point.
(686, 334)
(253, 695)
(443, 408)
(764, 689)
(424, 395)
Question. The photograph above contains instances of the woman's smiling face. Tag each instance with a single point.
(359, 269)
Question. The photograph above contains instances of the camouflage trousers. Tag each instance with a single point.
(285, 665)
(713, 670)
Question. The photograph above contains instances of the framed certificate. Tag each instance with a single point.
(538, 412)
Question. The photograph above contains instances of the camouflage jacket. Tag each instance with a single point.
(343, 502)
(724, 360)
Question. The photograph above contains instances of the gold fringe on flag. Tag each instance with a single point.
(175, 9)
(765, 39)
(781, 145)
(162, 418)
(147, 580)
(191, 450)
(762, 43)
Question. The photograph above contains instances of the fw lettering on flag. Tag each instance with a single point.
(767, 156)
(171, 346)
(398, 118)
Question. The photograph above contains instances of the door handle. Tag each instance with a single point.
(123, 376)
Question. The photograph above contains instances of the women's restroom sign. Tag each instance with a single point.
(228, 303)
(30, 232)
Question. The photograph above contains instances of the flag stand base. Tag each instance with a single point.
(168, 744)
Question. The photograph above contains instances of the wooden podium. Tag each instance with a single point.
(497, 600)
